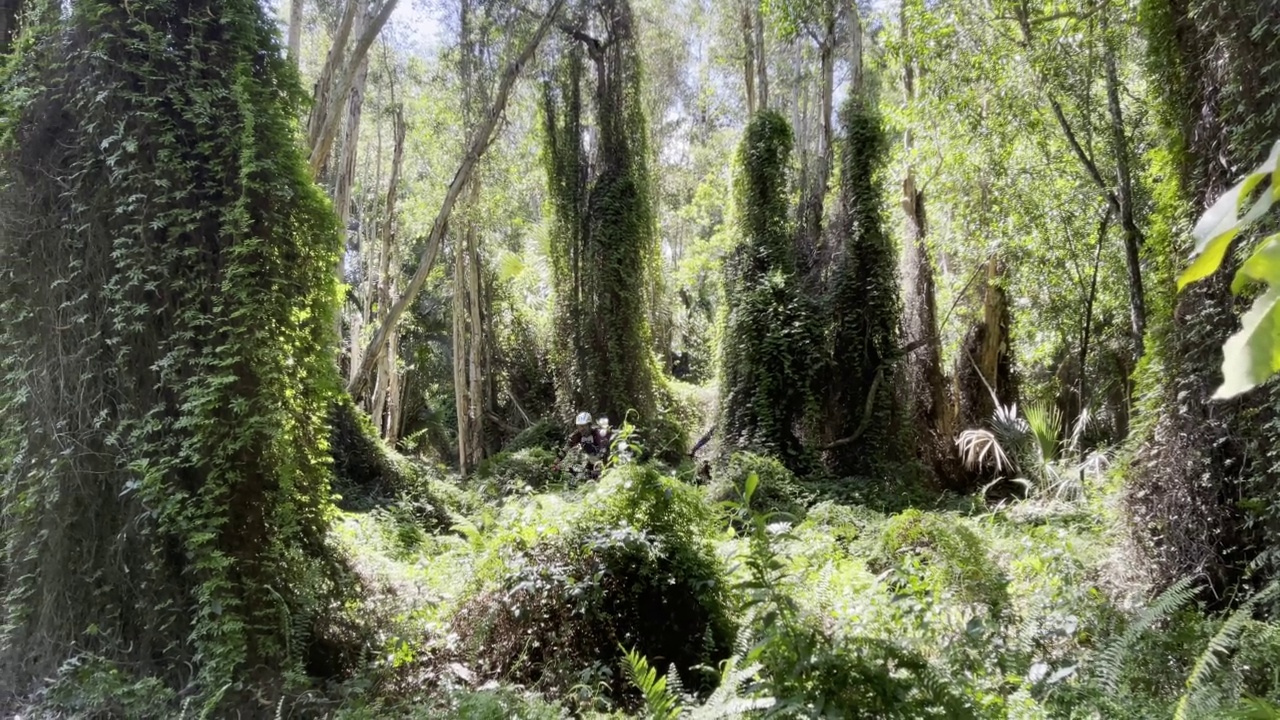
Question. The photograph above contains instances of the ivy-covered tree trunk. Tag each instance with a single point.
(770, 336)
(166, 352)
(1202, 494)
(862, 422)
(605, 241)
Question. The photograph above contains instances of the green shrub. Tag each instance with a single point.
(843, 522)
(949, 552)
(511, 472)
(544, 434)
(776, 491)
(633, 571)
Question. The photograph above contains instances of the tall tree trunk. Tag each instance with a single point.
(344, 182)
(10, 11)
(388, 382)
(748, 56)
(933, 413)
(476, 146)
(762, 62)
(295, 30)
(1124, 199)
(338, 76)
(1200, 457)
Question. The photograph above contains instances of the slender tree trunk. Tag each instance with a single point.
(762, 62)
(855, 46)
(295, 30)
(476, 147)
(479, 402)
(748, 57)
(345, 180)
(1124, 199)
(338, 76)
(388, 382)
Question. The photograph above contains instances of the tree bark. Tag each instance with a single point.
(295, 30)
(762, 62)
(479, 143)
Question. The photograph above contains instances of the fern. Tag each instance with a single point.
(661, 703)
(1252, 708)
(728, 700)
(1222, 643)
(1112, 659)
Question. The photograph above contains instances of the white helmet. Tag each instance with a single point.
(584, 418)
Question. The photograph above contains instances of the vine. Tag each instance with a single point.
(861, 387)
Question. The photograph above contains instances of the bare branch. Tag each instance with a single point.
(479, 143)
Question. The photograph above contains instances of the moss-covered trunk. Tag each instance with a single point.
(168, 300)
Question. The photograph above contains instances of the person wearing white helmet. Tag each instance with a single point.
(593, 440)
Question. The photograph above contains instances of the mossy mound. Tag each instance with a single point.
(947, 551)
(632, 572)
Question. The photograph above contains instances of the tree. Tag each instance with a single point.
(477, 144)
(932, 410)
(862, 422)
(1209, 464)
(168, 298)
(770, 334)
(604, 243)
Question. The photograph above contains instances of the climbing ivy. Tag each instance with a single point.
(166, 353)
(771, 336)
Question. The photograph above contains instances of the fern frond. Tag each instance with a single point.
(1112, 659)
(660, 703)
(1222, 643)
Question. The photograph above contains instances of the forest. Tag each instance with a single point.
(668, 359)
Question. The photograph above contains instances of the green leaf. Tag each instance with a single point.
(753, 481)
(1222, 221)
(1262, 266)
(1253, 354)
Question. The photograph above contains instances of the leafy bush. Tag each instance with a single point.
(633, 571)
(949, 552)
(776, 489)
(544, 434)
(509, 472)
